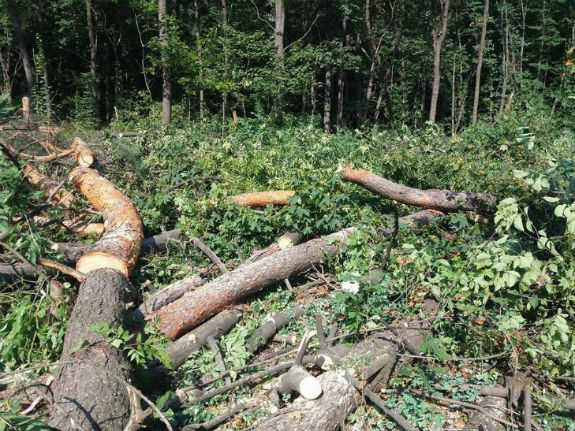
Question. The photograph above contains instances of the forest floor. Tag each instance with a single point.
(499, 280)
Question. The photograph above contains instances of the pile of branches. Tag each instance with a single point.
(91, 386)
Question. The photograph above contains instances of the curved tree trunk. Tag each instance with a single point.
(441, 200)
(91, 393)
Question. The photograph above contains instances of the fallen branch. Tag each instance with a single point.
(62, 268)
(210, 254)
(48, 158)
(168, 294)
(59, 196)
(442, 200)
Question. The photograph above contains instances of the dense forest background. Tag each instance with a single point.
(351, 63)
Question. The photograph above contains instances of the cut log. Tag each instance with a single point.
(297, 379)
(73, 251)
(193, 341)
(442, 200)
(195, 307)
(340, 397)
(52, 188)
(261, 336)
(82, 153)
(90, 394)
(261, 199)
(119, 246)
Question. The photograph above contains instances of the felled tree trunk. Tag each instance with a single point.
(261, 199)
(195, 307)
(442, 200)
(91, 392)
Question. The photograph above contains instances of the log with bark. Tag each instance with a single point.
(91, 392)
(195, 307)
(442, 200)
(48, 158)
(271, 325)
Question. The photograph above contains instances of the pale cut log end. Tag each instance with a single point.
(97, 260)
(82, 153)
(310, 388)
(289, 239)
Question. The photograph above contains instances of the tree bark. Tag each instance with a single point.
(438, 38)
(480, 62)
(166, 81)
(273, 324)
(505, 62)
(279, 45)
(441, 200)
(90, 394)
(26, 59)
(93, 55)
(225, 53)
(50, 187)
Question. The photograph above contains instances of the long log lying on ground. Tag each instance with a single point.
(195, 307)
(442, 200)
(91, 392)
(120, 245)
(340, 398)
(261, 199)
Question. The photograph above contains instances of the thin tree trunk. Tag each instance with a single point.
(453, 98)
(341, 73)
(522, 46)
(93, 54)
(279, 45)
(505, 63)
(437, 43)
(225, 49)
(327, 102)
(480, 62)
(166, 83)
(26, 59)
(200, 61)
(313, 91)
(6, 81)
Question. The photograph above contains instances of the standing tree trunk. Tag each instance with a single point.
(225, 49)
(279, 45)
(438, 38)
(480, 62)
(6, 81)
(327, 102)
(505, 62)
(93, 53)
(26, 62)
(166, 84)
(522, 45)
(200, 63)
(341, 73)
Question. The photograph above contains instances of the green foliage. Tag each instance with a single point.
(140, 348)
